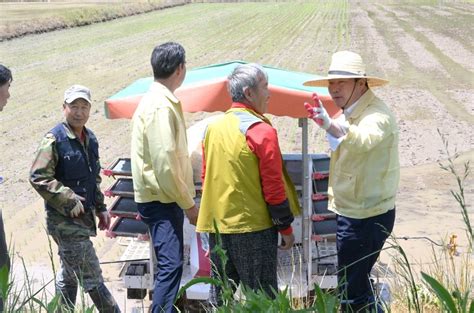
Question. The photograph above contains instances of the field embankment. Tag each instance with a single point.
(24, 18)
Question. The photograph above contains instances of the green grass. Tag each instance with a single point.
(27, 294)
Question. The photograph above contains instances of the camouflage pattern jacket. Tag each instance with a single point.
(64, 168)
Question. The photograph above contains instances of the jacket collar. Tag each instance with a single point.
(70, 133)
(362, 104)
(158, 87)
(240, 105)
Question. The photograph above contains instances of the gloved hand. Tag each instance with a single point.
(318, 113)
(77, 209)
(104, 220)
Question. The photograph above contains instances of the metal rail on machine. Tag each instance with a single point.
(307, 201)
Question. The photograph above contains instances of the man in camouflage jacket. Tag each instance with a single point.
(66, 173)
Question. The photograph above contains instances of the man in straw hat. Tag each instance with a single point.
(66, 174)
(363, 174)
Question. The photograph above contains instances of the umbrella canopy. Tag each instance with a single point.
(205, 90)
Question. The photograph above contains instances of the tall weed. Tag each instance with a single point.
(455, 290)
(257, 300)
(447, 284)
(22, 295)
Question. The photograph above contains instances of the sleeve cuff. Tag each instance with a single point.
(186, 204)
(286, 231)
(334, 142)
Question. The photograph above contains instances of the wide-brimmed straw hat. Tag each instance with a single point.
(346, 64)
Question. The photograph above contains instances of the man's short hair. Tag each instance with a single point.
(242, 77)
(5, 75)
(166, 58)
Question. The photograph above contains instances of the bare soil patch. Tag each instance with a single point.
(424, 199)
(373, 40)
(452, 48)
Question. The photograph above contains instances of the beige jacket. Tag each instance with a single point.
(161, 167)
(364, 169)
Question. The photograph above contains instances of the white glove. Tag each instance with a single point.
(77, 209)
(322, 116)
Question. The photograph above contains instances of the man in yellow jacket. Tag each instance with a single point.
(161, 169)
(246, 189)
(363, 174)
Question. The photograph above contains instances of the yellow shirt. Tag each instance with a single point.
(364, 170)
(161, 167)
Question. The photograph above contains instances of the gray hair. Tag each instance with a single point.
(242, 77)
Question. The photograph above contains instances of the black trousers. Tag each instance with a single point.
(252, 261)
(359, 242)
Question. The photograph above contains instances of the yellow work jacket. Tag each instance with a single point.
(161, 167)
(232, 191)
(364, 170)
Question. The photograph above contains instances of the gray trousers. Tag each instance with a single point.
(252, 261)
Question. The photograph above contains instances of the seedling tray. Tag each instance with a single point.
(123, 207)
(321, 206)
(321, 163)
(320, 185)
(128, 227)
(324, 227)
(121, 187)
(120, 167)
(293, 165)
